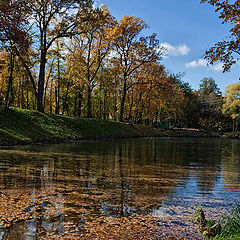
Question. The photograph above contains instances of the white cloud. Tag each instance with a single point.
(204, 63)
(180, 50)
(198, 63)
(218, 67)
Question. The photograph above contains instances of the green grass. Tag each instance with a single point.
(227, 228)
(24, 126)
(230, 225)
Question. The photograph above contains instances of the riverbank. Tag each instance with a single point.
(20, 127)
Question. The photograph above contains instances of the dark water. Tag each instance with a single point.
(94, 190)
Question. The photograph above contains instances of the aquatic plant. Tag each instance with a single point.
(227, 228)
(208, 228)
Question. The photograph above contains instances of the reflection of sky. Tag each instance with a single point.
(189, 194)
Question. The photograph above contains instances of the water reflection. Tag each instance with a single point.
(60, 189)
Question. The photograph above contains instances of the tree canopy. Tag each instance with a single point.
(72, 58)
(228, 50)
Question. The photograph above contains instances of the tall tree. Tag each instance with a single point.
(189, 106)
(13, 35)
(148, 96)
(208, 86)
(93, 46)
(210, 104)
(133, 51)
(231, 106)
(45, 21)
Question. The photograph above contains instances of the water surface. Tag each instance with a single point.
(121, 189)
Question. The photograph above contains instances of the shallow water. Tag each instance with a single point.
(122, 189)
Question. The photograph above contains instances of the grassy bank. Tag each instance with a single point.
(25, 127)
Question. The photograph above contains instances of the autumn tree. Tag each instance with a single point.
(210, 104)
(13, 35)
(2, 82)
(107, 93)
(189, 105)
(231, 106)
(148, 95)
(13, 21)
(46, 21)
(3, 75)
(132, 51)
(226, 51)
(173, 104)
(68, 84)
(92, 47)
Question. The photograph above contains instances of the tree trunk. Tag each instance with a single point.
(115, 107)
(40, 100)
(57, 110)
(22, 97)
(99, 113)
(104, 106)
(156, 119)
(50, 100)
(79, 111)
(46, 86)
(89, 103)
(233, 125)
(27, 98)
(75, 105)
(34, 103)
(66, 98)
(41, 82)
(131, 107)
(123, 100)
(9, 89)
(56, 100)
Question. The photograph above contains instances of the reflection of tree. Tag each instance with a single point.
(146, 181)
(208, 154)
(122, 193)
(117, 179)
(132, 174)
(231, 164)
(206, 179)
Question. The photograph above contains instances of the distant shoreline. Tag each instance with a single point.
(25, 127)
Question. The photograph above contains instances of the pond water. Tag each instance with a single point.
(120, 189)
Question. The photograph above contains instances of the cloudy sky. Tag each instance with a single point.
(186, 28)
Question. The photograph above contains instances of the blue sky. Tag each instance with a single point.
(186, 28)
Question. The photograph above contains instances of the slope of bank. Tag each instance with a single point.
(26, 127)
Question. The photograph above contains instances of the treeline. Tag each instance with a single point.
(71, 58)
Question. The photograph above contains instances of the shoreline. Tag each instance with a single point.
(164, 134)
(25, 127)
